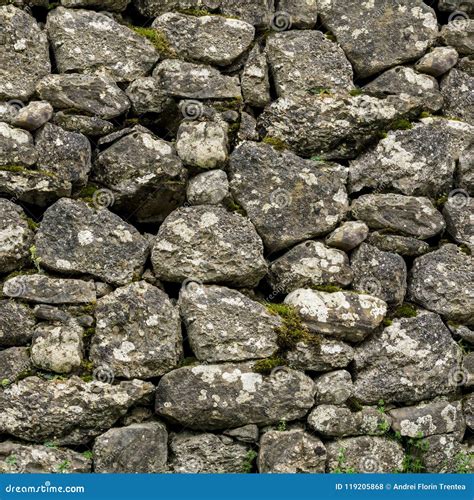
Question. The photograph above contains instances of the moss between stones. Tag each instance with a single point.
(194, 12)
(232, 206)
(405, 311)
(265, 366)
(18, 169)
(157, 38)
(401, 124)
(321, 91)
(355, 92)
(276, 143)
(327, 288)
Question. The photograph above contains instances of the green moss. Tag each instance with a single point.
(330, 36)
(382, 134)
(88, 454)
(425, 114)
(441, 200)
(353, 404)
(34, 258)
(33, 225)
(5, 382)
(194, 12)
(11, 460)
(189, 361)
(157, 38)
(322, 91)
(232, 206)
(276, 143)
(383, 426)
(53, 5)
(327, 288)
(405, 311)
(355, 92)
(88, 309)
(465, 249)
(64, 466)
(316, 158)
(50, 444)
(88, 191)
(387, 322)
(228, 105)
(265, 366)
(463, 462)
(381, 406)
(87, 365)
(249, 461)
(25, 171)
(401, 124)
(281, 426)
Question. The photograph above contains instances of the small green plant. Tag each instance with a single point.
(401, 124)
(88, 454)
(249, 460)
(321, 91)
(441, 200)
(49, 444)
(35, 258)
(64, 466)
(5, 382)
(425, 114)
(11, 460)
(232, 206)
(276, 143)
(281, 426)
(355, 92)
(405, 311)
(383, 426)
(463, 462)
(381, 406)
(387, 322)
(317, 158)
(157, 38)
(342, 467)
(330, 36)
(415, 449)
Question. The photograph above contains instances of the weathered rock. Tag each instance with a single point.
(138, 332)
(302, 13)
(89, 94)
(256, 12)
(33, 116)
(73, 238)
(195, 81)
(378, 35)
(457, 88)
(382, 274)
(144, 175)
(51, 313)
(458, 213)
(428, 419)
(403, 245)
(57, 347)
(348, 235)
(87, 125)
(255, 79)
(74, 36)
(67, 411)
(208, 188)
(206, 453)
(248, 128)
(147, 96)
(337, 421)
(46, 290)
(15, 236)
(417, 162)
(225, 325)
(203, 144)
(287, 198)
(468, 410)
(310, 264)
(208, 243)
(16, 323)
(409, 215)
(16, 147)
(34, 459)
(14, 362)
(444, 454)
(454, 5)
(247, 434)
(137, 448)
(208, 39)
(365, 454)
(290, 452)
(443, 281)
(109, 5)
(465, 173)
(333, 388)
(333, 126)
(466, 64)
(228, 395)
(24, 54)
(437, 62)
(459, 34)
(342, 315)
(413, 359)
(303, 62)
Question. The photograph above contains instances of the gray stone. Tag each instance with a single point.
(88, 94)
(403, 245)
(459, 34)
(302, 62)
(74, 238)
(310, 264)
(106, 5)
(443, 281)
(209, 39)
(206, 453)
(333, 388)
(454, 5)
(378, 35)
(444, 454)
(413, 359)
(208, 188)
(15, 236)
(365, 454)
(230, 395)
(437, 62)
(144, 175)
(465, 173)
(341, 315)
(67, 411)
(466, 64)
(466, 375)
(74, 36)
(24, 54)
(225, 325)
(16, 323)
(303, 13)
(248, 128)
(14, 362)
(247, 434)
(348, 235)
(255, 79)
(51, 313)
(458, 213)
(291, 452)
(457, 88)
(468, 410)
(87, 125)
(34, 459)
(16, 147)
(288, 199)
(333, 126)
(147, 96)
(137, 448)
(208, 243)
(57, 347)
(408, 215)
(256, 12)
(33, 116)
(138, 332)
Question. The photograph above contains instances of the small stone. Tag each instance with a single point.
(459, 34)
(33, 116)
(256, 12)
(454, 5)
(255, 79)
(403, 245)
(16, 323)
(458, 213)
(457, 88)
(467, 370)
(302, 13)
(50, 313)
(87, 125)
(208, 188)
(14, 362)
(106, 5)
(147, 96)
(16, 147)
(348, 235)
(438, 62)
(465, 173)
(333, 388)
(247, 434)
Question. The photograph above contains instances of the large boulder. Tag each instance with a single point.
(75, 238)
(138, 332)
(16, 323)
(208, 243)
(230, 395)
(287, 198)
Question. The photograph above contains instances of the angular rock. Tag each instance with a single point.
(24, 54)
(74, 238)
(458, 213)
(57, 347)
(137, 448)
(209, 39)
(287, 198)
(89, 94)
(453, 5)
(225, 325)
(333, 388)
(51, 313)
(378, 35)
(16, 147)
(208, 243)
(403, 245)
(409, 215)
(194, 81)
(87, 125)
(291, 452)
(230, 395)
(302, 62)
(74, 36)
(255, 79)
(457, 88)
(206, 453)
(46, 290)
(34, 459)
(256, 12)
(365, 454)
(147, 96)
(443, 282)
(413, 359)
(247, 434)
(334, 126)
(144, 175)
(444, 454)
(14, 362)
(208, 188)
(138, 332)
(310, 264)
(108, 5)
(468, 410)
(348, 235)
(33, 116)
(437, 62)
(16, 323)
(459, 34)
(467, 371)
(303, 13)
(341, 315)
(15, 236)
(67, 411)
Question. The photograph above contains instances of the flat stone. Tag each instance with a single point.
(16, 323)
(403, 245)
(34, 115)
(247, 434)
(437, 62)
(256, 12)
(87, 125)
(148, 96)
(457, 88)
(16, 147)
(458, 213)
(348, 235)
(255, 79)
(108, 5)
(302, 13)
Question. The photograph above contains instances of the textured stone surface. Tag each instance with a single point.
(14, 363)
(458, 212)
(16, 147)
(208, 188)
(458, 34)
(348, 235)
(16, 323)
(255, 79)
(438, 61)
(457, 88)
(34, 115)
(333, 387)
(403, 245)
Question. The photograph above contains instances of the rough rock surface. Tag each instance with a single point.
(208, 188)
(348, 235)
(333, 387)
(16, 323)
(457, 88)
(14, 363)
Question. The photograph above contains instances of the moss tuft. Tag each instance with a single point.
(327, 288)
(249, 460)
(401, 124)
(355, 92)
(232, 206)
(157, 38)
(18, 169)
(322, 91)
(276, 143)
(405, 311)
(265, 366)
